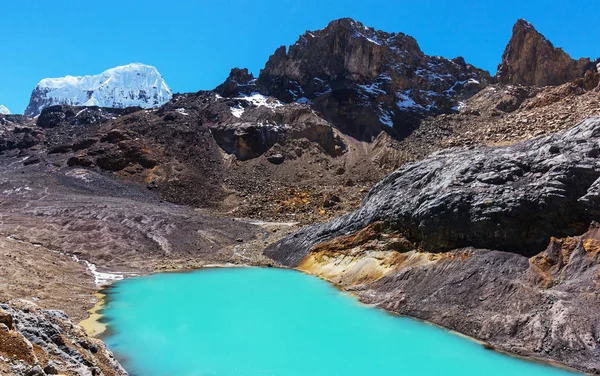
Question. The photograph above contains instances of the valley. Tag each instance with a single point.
(423, 185)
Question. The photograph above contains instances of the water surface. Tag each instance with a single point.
(253, 321)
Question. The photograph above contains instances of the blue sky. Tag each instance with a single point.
(194, 44)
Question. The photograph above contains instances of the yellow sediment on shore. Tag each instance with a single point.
(92, 324)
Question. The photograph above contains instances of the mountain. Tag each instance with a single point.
(531, 59)
(362, 80)
(473, 232)
(4, 110)
(125, 86)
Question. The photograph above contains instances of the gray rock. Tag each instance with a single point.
(505, 198)
(35, 371)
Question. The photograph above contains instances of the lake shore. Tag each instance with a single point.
(95, 326)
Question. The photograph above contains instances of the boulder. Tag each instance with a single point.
(510, 198)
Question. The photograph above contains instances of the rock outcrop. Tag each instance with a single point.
(461, 239)
(506, 198)
(45, 342)
(530, 59)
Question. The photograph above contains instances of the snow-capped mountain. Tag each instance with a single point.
(4, 110)
(125, 86)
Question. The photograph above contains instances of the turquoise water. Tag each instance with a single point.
(253, 321)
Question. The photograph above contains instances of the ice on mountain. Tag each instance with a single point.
(125, 86)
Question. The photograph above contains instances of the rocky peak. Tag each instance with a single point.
(4, 110)
(531, 59)
(362, 80)
(345, 50)
(239, 81)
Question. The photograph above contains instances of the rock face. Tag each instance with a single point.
(125, 86)
(47, 342)
(506, 198)
(258, 123)
(531, 59)
(362, 80)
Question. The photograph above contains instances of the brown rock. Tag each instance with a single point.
(6, 319)
(531, 59)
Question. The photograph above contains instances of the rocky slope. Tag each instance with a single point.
(431, 221)
(362, 80)
(530, 59)
(125, 86)
(36, 342)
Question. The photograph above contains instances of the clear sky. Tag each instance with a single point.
(194, 44)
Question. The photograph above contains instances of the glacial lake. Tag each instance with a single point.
(263, 321)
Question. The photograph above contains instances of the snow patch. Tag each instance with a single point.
(461, 106)
(101, 279)
(255, 99)
(372, 89)
(386, 119)
(237, 111)
(405, 102)
(4, 110)
(258, 100)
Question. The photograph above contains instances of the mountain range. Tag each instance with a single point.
(427, 186)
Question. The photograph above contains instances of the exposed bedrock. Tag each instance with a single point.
(46, 342)
(531, 59)
(544, 307)
(506, 198)
(259, 128)
(465, 239)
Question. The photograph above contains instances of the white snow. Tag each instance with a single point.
(461, 106)
(386, 119)
(373, 88)
(4, 110)
(125, 86)
(100, 278)
(237, 111)
(373, 41)
(405, 102)
(257, 100)
(182, 111)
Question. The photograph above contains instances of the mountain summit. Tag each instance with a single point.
(124, 86)
(531, 59)
(361, 79)
(4, 110)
